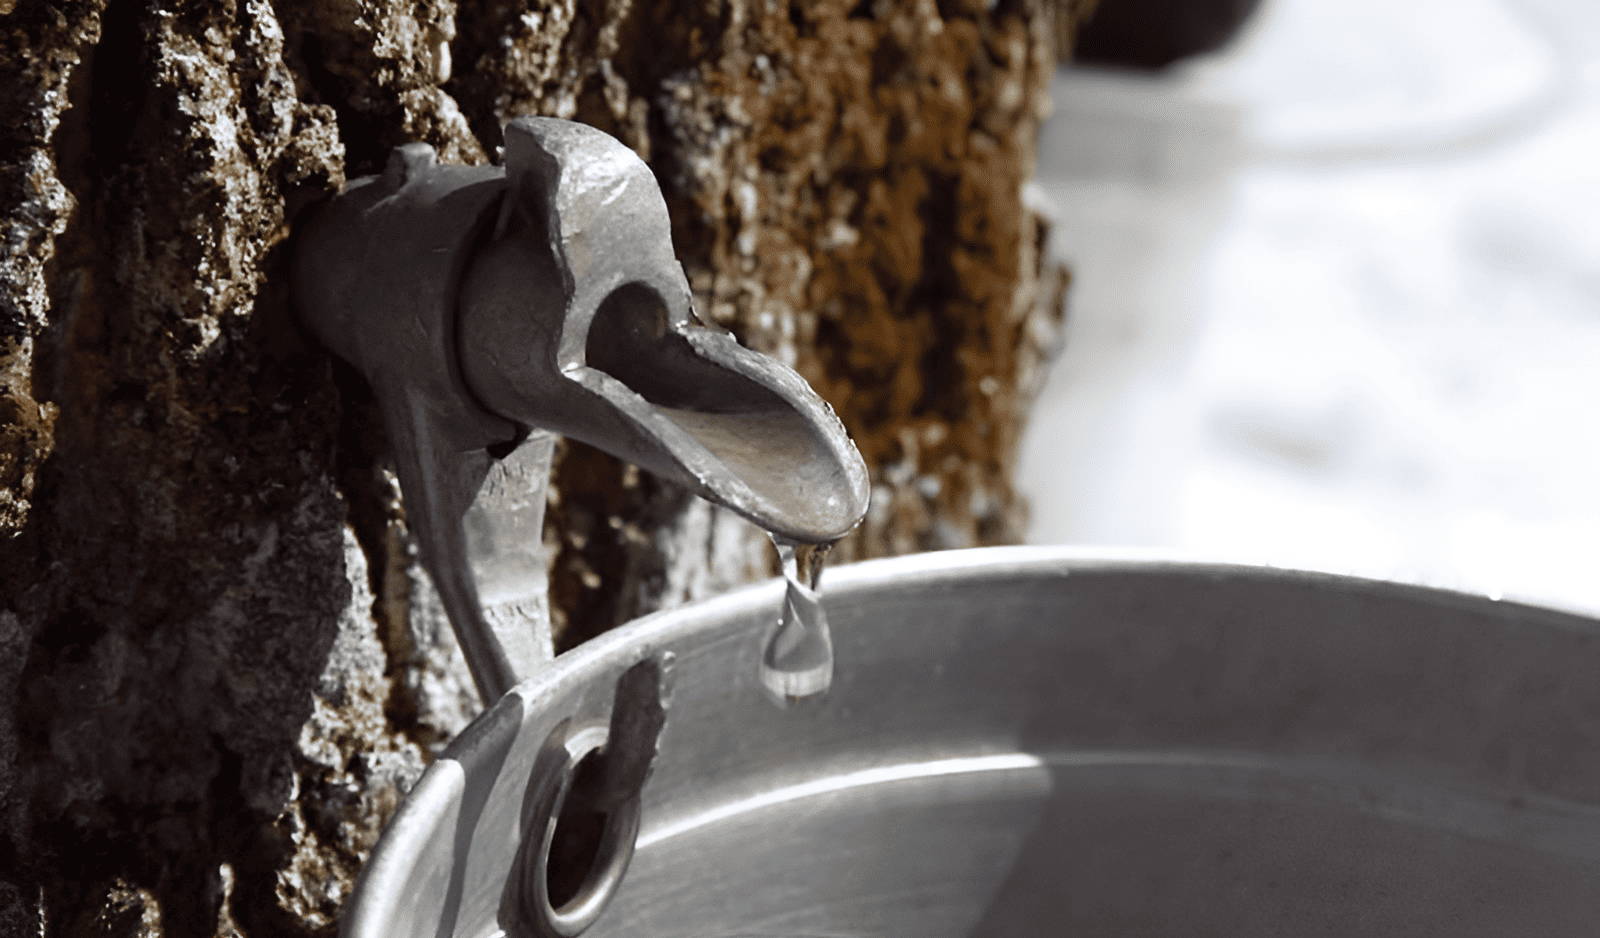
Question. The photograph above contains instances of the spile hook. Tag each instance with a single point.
(493, 306)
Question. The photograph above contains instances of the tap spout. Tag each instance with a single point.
(492, 307)
(576, 316)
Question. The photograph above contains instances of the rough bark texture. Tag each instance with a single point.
(220, 663)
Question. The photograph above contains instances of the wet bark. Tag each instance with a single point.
(220, 663)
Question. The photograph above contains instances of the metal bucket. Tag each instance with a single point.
(1030, 742)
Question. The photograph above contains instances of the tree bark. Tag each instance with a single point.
(221, 665)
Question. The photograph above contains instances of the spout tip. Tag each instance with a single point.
(789, 468)
(740, 428)
(593, 265)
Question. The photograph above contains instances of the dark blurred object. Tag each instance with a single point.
(1153, 34)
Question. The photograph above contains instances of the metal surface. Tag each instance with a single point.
(492, 306)
(1033, 742)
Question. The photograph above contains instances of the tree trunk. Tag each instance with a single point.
(221, 665)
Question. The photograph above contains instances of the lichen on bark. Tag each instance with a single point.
(222, 663)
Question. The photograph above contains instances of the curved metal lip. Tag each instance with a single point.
(968, 563)
(386, 871)
(1111, 557)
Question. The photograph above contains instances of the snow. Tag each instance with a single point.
(1338, 299)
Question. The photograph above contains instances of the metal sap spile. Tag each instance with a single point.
(491, 307)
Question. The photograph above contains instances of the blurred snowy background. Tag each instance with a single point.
(1338, 298)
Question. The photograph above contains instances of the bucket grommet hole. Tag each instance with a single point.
(586, 847)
